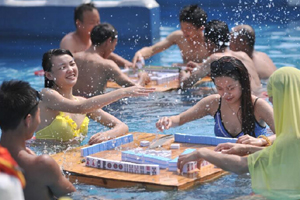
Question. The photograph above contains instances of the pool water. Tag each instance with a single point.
(20, 57)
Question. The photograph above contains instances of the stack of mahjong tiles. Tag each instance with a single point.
(102, 163)
(190, 166)
(163, 77)
(201, 139)
(107, 145)
(141, 156)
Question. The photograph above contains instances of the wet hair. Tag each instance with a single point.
(100, 33)
(78, 12)
(231, 67)
(193, 14)
(247, 34)
(47, 63)
(17, 100)
(217, 32)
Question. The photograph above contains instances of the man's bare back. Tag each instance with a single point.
(40, 172)
(74, 43)
(263, 64)
(94, 72)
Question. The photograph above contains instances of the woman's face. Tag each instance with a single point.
(64, 70)
(229, 89)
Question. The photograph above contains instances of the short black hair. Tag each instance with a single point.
(17, 98)
(47, 62)
(100, 33)
(78, 12)
(193, 14)
(217, 32)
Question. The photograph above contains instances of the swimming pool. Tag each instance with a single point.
(20, 57)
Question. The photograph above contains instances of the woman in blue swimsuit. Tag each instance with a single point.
(237, 113)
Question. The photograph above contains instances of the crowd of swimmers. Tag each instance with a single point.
(76, 75)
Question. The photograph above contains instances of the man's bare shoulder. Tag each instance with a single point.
(176, 36)
(261, 56)
(67, 40)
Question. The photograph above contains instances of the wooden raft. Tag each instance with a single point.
(166, 180)
(171, 85)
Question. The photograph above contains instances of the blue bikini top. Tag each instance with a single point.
(220, 130)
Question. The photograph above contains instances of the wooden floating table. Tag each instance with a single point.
(166, 85)
(166, 180)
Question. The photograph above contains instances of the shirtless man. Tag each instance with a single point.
(86, 16)
(95, 69)
(216, 34)
(19, 118)
(189, 39)
(243, 39)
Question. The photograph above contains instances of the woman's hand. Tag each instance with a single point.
(163, 123)
(232, 148)
(247, 139)
(98, 138)
(136, 91)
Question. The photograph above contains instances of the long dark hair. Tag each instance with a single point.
(235, 69)
(47, 62)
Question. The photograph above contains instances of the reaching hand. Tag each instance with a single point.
(128, 65)
(138, 58)
(98, 138)
(232, 148)
(247, 139)
(183, 159)
(164, 123)
(144, 78)
(183, 75)
(191, 65)
(136, 91)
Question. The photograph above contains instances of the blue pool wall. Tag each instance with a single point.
(137, 25)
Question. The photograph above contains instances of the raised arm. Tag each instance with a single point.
(118, 128)
(114, 73)
(52, 176)
(188, 79)
(202, 108)
(55, 101)
(120, 61)
(148, 52)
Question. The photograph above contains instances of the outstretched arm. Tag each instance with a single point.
(118, 128)
(148, 52)
(55, 101)
(201, 109)
(233, 163)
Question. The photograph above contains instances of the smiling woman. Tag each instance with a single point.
(236, 111)
(64, 116)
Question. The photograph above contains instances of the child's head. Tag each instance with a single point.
(18, 100)
(48, 64)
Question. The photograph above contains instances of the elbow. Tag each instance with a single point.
(242, 167)
(125, 129)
